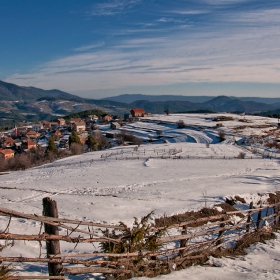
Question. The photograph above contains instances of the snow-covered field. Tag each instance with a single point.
(120, 183)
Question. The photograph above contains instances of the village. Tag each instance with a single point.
(32, 136)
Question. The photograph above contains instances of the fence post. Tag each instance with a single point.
(249, 217)
(275, 211)
(259, 218)
(183, 242)
(221, 232)
(53, 247)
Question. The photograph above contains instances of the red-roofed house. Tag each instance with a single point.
(105, 118)
(75, 120)
(32, 134)
(6, 153)
(27, 145)
(137, 112)
(9, 142)
(61, 121)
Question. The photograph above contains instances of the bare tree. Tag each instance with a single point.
(75, 148)
(167, 112)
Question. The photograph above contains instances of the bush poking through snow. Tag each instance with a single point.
(5, 270)
(181, 124)
(139, 238)
(241, 155)
(221, 135)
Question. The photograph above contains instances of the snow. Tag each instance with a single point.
(117, 184)
(261, 262)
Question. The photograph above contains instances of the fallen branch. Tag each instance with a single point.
(45, 236)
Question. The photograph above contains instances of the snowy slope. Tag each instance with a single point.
(120, 183)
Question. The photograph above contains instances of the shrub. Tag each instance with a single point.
(51, 146)
(241, 155)
(103, 142)
(139, 238)
(222, 118)
(124, 136)
(159, 133)
(92, 143)
(5, 270)
(3, 165)
(19, 162)
(76, 149)
(74, 138)
(167, 112)
(221, 135)
(181, 124)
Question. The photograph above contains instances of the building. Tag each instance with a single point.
(37, 127)
(6, 154)
(47, 125)
(28, 144)
(137, 112)
(61, 122)
(83, 138)
(105, 118)
(9, 143)
(115, 125)
(31, 134)
(91, 118)
(79, 126)
(75, 120)
(56, 134)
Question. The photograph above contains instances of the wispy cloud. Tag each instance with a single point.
(171, 20)
(113, 7)
(89, 47)
(189, 12)
(232, 46)
(225, 2)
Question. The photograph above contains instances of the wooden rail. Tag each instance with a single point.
(218, 232)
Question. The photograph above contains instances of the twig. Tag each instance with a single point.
(8, 224)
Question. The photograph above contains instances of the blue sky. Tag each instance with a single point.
(97, 48)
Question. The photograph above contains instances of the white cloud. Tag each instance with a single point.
(113, 7)
(189, 12)
(89, 47)
(241, 50)
(224, 2)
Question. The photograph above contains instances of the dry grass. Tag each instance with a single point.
(188, 216)
(274, 197)
(193, 216)
(240, 199)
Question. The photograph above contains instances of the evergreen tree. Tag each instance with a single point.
(92, 143)
(74, 138)
(51, 146)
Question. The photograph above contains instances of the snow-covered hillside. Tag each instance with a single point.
(120, 183)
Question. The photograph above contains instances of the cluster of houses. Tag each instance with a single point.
(23, 138)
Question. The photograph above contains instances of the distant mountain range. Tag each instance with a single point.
(129, 98)
(33, 104)
(12, 92)
(23, 104)
(217, 104)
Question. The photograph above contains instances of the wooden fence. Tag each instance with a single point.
(182, 244)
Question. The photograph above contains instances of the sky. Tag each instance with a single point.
(98, 49)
